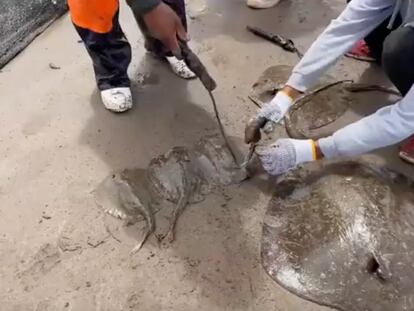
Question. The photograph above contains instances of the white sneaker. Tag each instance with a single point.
(118, 99)
(180, 68)
(262, 4)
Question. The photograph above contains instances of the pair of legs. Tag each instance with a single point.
(371, 49)
(97, 23)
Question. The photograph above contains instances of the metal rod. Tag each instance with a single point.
(223, 133)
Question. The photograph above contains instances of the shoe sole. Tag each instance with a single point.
(118, 111)
(361, 58)
(404, 156)
(255, 5)
(261, 8)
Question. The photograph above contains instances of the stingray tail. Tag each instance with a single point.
(178, 210)
(138, 247)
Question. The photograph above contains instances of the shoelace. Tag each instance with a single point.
(180, 66)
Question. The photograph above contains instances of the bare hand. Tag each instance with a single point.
(164, 24)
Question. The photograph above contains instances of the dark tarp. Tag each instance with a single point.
(21, 21)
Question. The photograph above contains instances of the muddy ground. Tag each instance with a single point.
(59, 251)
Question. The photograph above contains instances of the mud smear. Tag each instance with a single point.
(44, 261)
(180, 177)
(341, 235)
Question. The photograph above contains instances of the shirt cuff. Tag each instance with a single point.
(328, 147)
(298, 82)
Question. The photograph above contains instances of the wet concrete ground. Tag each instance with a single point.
(59, 251)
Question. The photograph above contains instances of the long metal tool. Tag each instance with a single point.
(194, 63)
(284, 43)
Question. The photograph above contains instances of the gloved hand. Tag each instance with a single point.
(274, 111)
(286, 154)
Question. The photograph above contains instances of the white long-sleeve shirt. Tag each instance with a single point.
(390, 124)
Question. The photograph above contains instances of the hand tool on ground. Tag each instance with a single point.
(284, 43)
(194, 63)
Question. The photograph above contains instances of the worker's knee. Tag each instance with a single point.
(397, 57)
(398, 45)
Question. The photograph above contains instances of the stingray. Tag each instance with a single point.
(329, 105)
(182, 176)
(320, 106)
(341, 234)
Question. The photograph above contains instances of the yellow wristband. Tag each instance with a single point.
(287, 95)
(313, 144)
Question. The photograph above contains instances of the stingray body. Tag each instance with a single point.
(310, 113)
(318, 112)
(182, 176)
(342, 235)
(314, 111)
(270, 81)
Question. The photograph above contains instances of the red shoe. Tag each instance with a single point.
(407, 151)
(361, 52)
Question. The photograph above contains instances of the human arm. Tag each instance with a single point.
(162, 22)
(386, 127)
(358, 19)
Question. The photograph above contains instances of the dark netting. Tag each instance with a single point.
(21, 21)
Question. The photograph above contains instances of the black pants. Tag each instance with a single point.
(375, 39)
(398, 57)
(111, 52)
(394, 49)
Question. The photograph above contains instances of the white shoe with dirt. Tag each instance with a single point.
(262, 4)
(180, 68)
(117, 99)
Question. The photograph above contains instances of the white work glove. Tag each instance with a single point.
(286, 154)
(274, 111)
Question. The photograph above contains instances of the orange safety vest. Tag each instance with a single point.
(95, 15)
